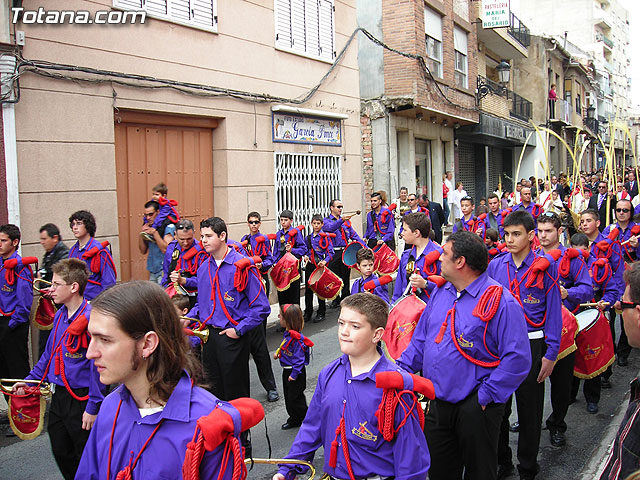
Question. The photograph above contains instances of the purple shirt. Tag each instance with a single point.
(164, 212)
(248, 307)
(299, 248)
(79, 371)
(538, 303)
(16, 299)
(265, 249)
(102, 279)
(293, 353)
(381, 226)
(629, 253)
(577, 281)
(469, 225)
(454, 377)
(319, 253)
(343, 229)
(402, 279)
(164, 454)
(174, 249)
(499, 219)
(616, 261)
(609, 289)
(406, 457)
(381, 290)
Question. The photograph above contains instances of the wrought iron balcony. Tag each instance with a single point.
(520, 107)
(519, 31)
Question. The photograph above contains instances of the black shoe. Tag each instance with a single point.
(505, 471)
(557, 438)
(514, 427)
(272, 396)
(307, 316)
(605, 383)
(335, 303)
(319, 318)
(288, 426)
(623, 362)
(592, 407)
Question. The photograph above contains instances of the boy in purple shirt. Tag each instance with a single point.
(102, 270)
(78, 393)
(319, 254)
(288, 240)
(345, 402)
(145, 425)
(365, 260)
(538, 294)
(381, 226)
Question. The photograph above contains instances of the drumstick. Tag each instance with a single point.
(627, 241)
(592, 304)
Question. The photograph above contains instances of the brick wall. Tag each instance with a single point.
(367, 158)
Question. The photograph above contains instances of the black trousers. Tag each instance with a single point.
(623, 349)
(309, 295)
(463, 437)
(290, 295)
(261, 357)
(294, 398)
(226, 363)
(344, 272)
(530, 405)
(14, 357)
(561, 392)
(591, 389)
(373, 242)
(65, 430)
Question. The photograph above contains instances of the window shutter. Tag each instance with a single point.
(157, 7)
(312, 12)
(128, 4)
(460, 40)
(432, 24)
(179, 10)
(298, 22)
(326, 30)
(203, 13)
(283, 23)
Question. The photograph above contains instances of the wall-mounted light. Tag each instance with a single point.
(484, 87)
(434, 119)
(445, 123)
(419, 116)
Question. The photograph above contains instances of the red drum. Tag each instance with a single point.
(401, 324)
(569, 332)
(386, 261)
(349, 254)
(26, 413)
(285, 272)
(325, 284)
(595, 345)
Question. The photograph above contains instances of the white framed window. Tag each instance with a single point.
(306, 27)
(202, 14)
(460, 47)
(433, 38)
(306, 183)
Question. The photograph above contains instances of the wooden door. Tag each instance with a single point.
(160, 148)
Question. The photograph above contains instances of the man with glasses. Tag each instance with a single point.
(258, 244)
(93, 253)
(598, 202)
(181, 260)
(623, 460)
(630, 249)
(345, 234)
(153, 242)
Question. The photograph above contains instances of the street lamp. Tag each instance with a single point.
(485, 87)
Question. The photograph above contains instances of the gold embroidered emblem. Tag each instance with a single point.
(464, 343)
(22, 417)
(73, 355)
(364, 433)
(405, 329)
(175, 255)
(531, 300)
(7, 288)
(329, 286)
(592, 352)
(228, 297)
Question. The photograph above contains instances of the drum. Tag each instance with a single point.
(569, 332)
(386, 261)
(325, 284)
(285, 271)
(595, 345)
(349, 254)
(401, 324)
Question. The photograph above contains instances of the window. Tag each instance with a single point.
(306, 183)
(306, 27)
(200, 14)
(433, 37)
(460, 46)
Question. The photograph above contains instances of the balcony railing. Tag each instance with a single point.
(519, 31)
(520, 107)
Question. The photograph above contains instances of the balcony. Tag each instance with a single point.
(561, 114)
(521, 108)
(607, 43)
(602, 19)
(519, 31)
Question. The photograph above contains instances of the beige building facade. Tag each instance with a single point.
(209, 103)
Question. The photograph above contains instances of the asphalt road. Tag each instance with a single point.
(32, 460)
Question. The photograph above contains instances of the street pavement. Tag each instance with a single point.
(588, 436)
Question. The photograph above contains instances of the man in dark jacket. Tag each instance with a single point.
(436, 214)
(598, 202)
